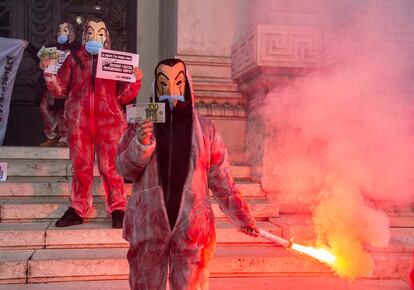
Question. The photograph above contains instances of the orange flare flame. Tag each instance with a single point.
(320, 254)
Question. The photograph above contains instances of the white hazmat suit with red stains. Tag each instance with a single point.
(186, 244)
(95, 121)
(52, 107)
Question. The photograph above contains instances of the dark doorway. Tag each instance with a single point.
(36, 21)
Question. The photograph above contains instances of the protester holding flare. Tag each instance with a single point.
(95, 121)
(169, 220)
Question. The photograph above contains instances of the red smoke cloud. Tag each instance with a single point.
(344, 139)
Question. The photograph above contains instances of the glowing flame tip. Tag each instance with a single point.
(321, 254)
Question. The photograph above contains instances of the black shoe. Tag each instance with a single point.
(70, 218)
(118, 219)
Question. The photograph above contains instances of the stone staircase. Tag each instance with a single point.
(36, 255)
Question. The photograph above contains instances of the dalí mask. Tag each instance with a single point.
(65, 33)
(170, 83)
(95, 36)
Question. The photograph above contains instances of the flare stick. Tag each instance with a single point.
(275, 239)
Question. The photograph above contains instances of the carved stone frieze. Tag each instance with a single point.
(222, 110)
(276, 46)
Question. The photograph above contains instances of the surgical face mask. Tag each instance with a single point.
(62, 39)
(172, 100)
(93, 47)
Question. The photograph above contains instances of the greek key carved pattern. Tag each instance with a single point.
(278, 46)
(290, 48)
(244, 55)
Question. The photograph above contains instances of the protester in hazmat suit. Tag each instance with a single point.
(52, 107)
(169, 221)
(95, 122)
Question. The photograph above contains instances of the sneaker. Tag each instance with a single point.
(118, 219)
(70, 218)
(49, 142)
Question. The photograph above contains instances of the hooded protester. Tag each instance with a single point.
(169, 222)
(95, 121)
(52, 107)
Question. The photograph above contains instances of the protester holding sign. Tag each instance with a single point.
(52, 107)
(95, 121)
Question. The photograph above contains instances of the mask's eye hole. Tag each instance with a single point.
(164, 84)
(179, 83)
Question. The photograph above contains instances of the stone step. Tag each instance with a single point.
(63, 168)
(27, 152)
(230, 283)
(300, 228)
(60, 187)
(52, 265)
(100, 234)
(43, 209)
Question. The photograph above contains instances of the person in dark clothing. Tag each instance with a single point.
(173, 136)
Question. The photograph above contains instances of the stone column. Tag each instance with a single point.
(265, 60)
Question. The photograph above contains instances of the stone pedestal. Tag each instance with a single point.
(268, 59)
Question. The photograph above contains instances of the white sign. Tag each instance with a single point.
(11, 51)
(116, 65)
(3, 171)
(154, 112)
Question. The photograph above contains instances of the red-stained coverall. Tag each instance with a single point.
(95, 122)
(53, 122)
(189, 246)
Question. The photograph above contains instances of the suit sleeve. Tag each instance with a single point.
(128, 92)
(221, 183)
(132, 157)
(59, 84)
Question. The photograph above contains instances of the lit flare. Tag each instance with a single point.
(320, 254)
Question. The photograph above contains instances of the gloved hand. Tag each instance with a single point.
(144, 132)
(138, 73)
(251, 230)
(52, 83)
(44, 62)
